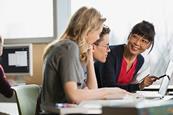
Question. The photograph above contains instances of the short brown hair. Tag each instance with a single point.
(106, 30)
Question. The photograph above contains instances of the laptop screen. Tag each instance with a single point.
(166, 79)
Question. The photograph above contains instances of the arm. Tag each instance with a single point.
(108, 74)
(76, 95)
(143, 78)
(129, 87)
(71, 74)
(91, 77)
(147, 81)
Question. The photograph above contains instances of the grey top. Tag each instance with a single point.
(62, 64)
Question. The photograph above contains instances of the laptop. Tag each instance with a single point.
(163, 86)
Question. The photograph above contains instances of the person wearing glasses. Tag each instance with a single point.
(65, 59)
(101, 46)
(125, 60)
(101, 49)
(5, 87)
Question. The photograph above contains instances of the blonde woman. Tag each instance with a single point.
(65, 60)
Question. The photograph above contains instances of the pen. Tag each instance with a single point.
(162, 76)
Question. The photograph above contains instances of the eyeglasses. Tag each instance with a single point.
(136, 38)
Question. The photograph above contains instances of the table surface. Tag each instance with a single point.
(95, 106)
(9, 108)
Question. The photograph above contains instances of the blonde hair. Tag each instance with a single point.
(83, 21)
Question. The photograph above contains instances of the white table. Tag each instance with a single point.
(9, 108)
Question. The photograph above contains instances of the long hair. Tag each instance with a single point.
(83, 21)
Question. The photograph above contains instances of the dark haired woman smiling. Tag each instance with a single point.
(125, 60)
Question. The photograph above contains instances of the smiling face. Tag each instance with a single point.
(101, 49)
(137, 44)
(141, 38)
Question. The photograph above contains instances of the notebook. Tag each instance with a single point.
(163, 86)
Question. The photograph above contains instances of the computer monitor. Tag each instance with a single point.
(17, 59)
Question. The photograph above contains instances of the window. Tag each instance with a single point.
(27, 19)
(122, 15)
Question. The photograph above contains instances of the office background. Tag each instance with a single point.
(121, 16)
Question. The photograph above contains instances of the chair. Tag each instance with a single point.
(26, 97)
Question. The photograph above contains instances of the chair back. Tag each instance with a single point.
(26, 96)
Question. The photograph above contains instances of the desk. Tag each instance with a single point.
(95, 106)
(156, 88)
(144, 107)
(9, 108)
(72, 110)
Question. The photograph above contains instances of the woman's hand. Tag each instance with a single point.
(117, 93)
(147, 81)
(90, 54)
(91, 77)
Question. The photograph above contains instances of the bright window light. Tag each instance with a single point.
(122, 15)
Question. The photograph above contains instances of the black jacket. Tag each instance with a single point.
(107, 73)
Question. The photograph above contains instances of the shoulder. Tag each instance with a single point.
(64, 47)
(69, 46)
(140, 58)
(61, 49)
(117, 47)
(116, 50)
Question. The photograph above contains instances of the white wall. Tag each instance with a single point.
(122, 15)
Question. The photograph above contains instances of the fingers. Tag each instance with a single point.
(151, 78)
(150, 81)
(154, 77)
(118, 93)
(147, 81)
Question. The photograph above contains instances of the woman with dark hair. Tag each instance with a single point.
(125, 60)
